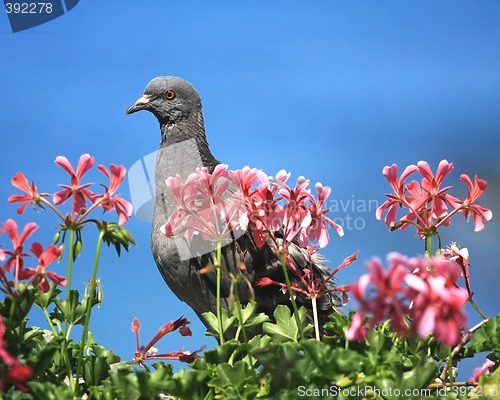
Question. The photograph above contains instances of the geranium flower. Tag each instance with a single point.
(16, 255)
(79, 192)
(110, 201)
(39, 274)
(437, 304)
(14, 372)
(482, 370)
(469, 206)
(398, 198)
(461, 256)
(309, 284)
(317, 230)
(148, 352)
(296, 214)
(207, 206)
(429, 204)
(416, 294)
(32, 196)
(215, 205)
(381, 294)
(431, 185)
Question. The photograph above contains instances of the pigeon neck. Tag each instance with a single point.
(186, 130)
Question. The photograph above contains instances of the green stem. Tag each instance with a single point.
(292, 296)
(218, 261)
(315, 316)
(237, 305)
(428, 246)
(65, 355)
(90, 300)
(47, 317)
(70, 270)
(12, 310)
(450, 368)
(473, 303)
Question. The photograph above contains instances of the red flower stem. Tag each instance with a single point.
(53, 208)
(16, 281)
(292, 298)
(447, 217)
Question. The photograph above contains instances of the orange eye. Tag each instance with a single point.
(170, 94)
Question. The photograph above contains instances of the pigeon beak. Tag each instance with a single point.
(141, 104)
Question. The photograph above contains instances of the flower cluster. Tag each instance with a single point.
(482, 370)
(416, 294)
(148, 352)
(215, 205)
(310, 285)
(15, 261)
(429, 204)
(80, 193)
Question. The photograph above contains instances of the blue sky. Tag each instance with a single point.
(333, 91)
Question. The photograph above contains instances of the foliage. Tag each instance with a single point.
(395, 346)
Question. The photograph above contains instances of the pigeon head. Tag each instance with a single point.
(172, 100)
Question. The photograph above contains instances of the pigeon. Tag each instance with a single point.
(184, 147)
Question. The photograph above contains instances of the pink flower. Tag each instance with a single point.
(437, 304)
(482, 370)
(357, 330)
(212, 205)
(431, 185)
(148, 352)
(16, 255)
(307, 283)
(461, 256)
(32, 196)
(7, 358)
(396, 199)
(296, 214)
(317, 230)
(79, 192)
(110, 201)
(381, 293)
(14, 372)
(39, 274)
(416, 294)
(18, 374)
(427, 202)
(207, 206)
(469, 206)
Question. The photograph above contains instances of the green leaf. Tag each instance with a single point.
(115, 234)
(227, 322)
(71, 310)
(487, 338)
(43, 300)
(285, 329)
(221, 353)
(235, 381)
(249, 317)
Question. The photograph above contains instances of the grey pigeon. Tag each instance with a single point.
(183, 147)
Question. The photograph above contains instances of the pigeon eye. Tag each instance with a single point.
(170, 94)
